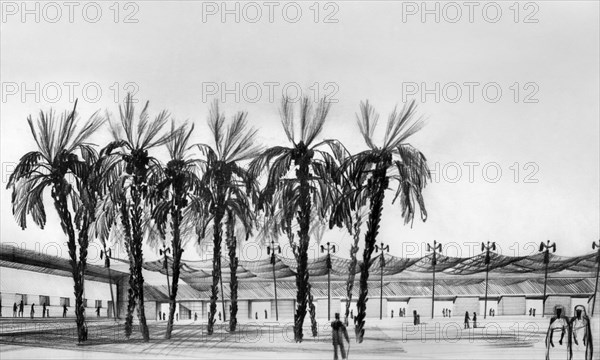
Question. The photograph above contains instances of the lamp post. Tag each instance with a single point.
(594, 246)
(435, 248)
(163, 252)
(381, 248)
(487, 248)
(329, 248)
(108, 254)
(271, 250)
(546, 249)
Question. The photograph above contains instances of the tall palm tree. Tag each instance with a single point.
(57, 165)
(374, 169)
(313, 169)
(132, 140)
(172, 191)
(226, 190)
(348, 210)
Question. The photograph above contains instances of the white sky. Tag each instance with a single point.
(172, 55)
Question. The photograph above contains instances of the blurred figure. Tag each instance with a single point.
(467, 319)
(415, 318)
(338, 334)
(32, 310)
(559, 322)
(15, 310)
(474, 320)
(65, 310)
(44, 310)
(580, 326)
(21, 308)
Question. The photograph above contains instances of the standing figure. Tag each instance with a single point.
(415, 319)
(15, 310)
(65, 310)
(580, 326)
(530, 311)
(44, 309)
(467, 318)
(338, 334)
(21, 308)
(559, 322)
(449, 313)
(392, 314)
(32, 310)
(265, 313)
(98, 311)
(164, 316)
(159, 315)
(352, 314)
(195, 316)
(474, 320)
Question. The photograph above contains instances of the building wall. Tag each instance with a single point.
(287, 308)
(150, 310)
(552, 301)
(16, 282)
(464, 304)
(258, 308)
(322, 308)
(422, 305)
(511, 305)
(535, 305)
(492, 303)
(441, 305)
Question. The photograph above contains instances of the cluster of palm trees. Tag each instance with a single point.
(218, 191)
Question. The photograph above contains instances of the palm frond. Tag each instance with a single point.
(367, 122)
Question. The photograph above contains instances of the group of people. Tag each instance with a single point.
(446, 312)
(577, 329)
(531, 311)
(18, 310)
(401, 312)
(468, 318)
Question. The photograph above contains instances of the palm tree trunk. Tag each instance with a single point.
(233, 263)
(216, 273)
(83, 251)
(380, 183)
(138, 258)
(131, 292)
(314, 327)
(60, 203)
(176, 217)
(304, 240)
(352, 266)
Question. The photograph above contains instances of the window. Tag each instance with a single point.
(65, 301)
(44, 300)
(98, 303)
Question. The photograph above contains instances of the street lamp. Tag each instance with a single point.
(381, 248)
(107, 265)
(271, 250)
(329, 248)
(163, 252)
(435, 248)
(594, 246)
(487, 248)
(546, 249)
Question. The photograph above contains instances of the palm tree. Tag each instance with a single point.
(57, 165)
(348, 210)
(372, 171)
(130, 192)
(226, 190)
(171, 194)
(313, 169)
